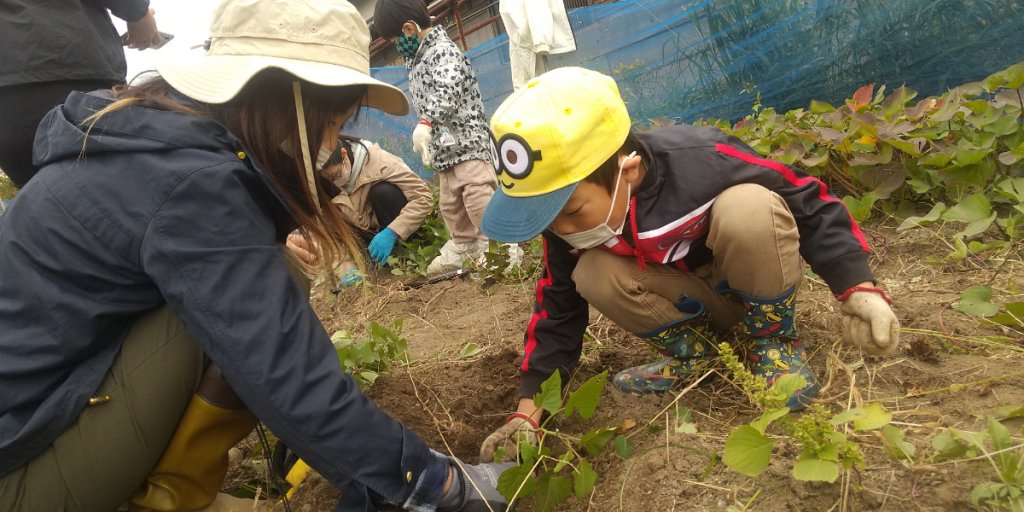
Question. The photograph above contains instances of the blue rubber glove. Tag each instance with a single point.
(382, 245)
(350, 278)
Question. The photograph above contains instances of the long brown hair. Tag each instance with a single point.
(263, 116)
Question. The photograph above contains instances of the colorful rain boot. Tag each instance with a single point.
(774, 349)
(687, 344)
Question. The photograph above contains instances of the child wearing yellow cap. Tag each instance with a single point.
(677, 234)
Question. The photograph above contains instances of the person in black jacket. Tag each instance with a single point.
(676, 234)
(149, 313)
(47, 50)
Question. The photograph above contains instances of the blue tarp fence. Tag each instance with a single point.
(688, 59)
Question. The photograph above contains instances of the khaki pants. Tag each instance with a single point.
(98, 462)
(466, 189)
(755, 242)
(102, 458)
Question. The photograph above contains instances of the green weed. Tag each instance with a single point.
(365, 358)
(825, 441)
(551, 479)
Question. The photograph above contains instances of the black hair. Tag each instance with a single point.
(605, 174)
(390, 15)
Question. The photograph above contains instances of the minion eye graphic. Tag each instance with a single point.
(516, 157)
(494, 152)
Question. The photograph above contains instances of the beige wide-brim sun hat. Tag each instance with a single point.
(321, 41)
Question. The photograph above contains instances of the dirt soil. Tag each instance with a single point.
(948, 373)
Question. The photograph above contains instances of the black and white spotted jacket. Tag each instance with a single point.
(446, 94)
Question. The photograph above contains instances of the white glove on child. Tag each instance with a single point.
(508, 435)
(869, 322)
(421, 141)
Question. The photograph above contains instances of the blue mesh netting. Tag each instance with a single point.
(690, 59)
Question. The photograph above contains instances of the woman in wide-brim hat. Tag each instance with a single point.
(148, 313)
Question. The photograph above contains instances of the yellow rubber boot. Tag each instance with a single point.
(192, 468)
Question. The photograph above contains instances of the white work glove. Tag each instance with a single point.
(868, 321)
(517, 427)
(421, 141)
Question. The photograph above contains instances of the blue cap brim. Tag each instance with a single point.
(516, 219)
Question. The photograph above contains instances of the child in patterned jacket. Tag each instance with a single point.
(452, 134)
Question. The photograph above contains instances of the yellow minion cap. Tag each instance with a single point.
(557, 130)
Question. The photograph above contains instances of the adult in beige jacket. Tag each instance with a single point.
(378, 194)
(379, 191)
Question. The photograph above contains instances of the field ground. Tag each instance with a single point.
(951, 371)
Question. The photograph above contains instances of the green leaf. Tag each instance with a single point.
(912, 147)
(623, 446)
(369, 376)
(932, 216)
(860, 209)
(1014, 76)
(563, 461)
(529, 452)
(1010, 157)
(747, 451)
(820, 107)
(1005, 123)
(812, 469)
(552, 490)
(784, 387)
(999, 435)
(975, 441)
(762, 422)
(595, 441)
(994, 81)
(1009, 412)
(684, 421)
(584, 479)
(977, 227)
(512, 478)
(584, 400)
(1013, 316)
(972, 208)
(875, 416)
(947, 447)
(550, 396)
(895, 446)
(977, 300)
(968, 155)
(869, 417)
(960, 251)
(985, 492)
(470, 350)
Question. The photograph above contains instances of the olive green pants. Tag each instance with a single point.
(756, 249)
(98, 462)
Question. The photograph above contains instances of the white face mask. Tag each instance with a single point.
(321, 157)
(602, 232)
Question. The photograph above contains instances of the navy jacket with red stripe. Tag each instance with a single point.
(687, 168)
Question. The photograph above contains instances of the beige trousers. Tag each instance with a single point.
(466, 189)
(755, 242)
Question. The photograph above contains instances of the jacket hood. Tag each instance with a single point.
(64, 133)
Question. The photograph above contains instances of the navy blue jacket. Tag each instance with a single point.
(166, 208)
